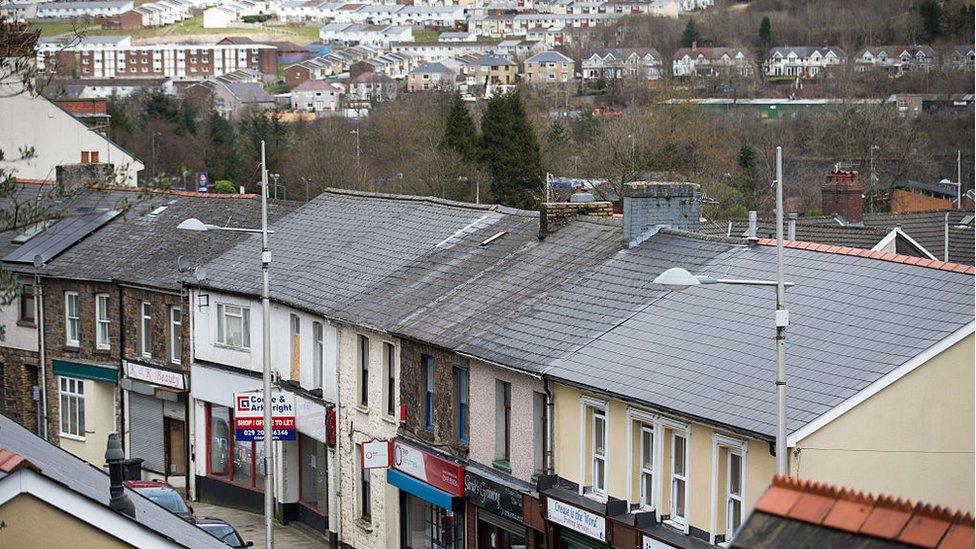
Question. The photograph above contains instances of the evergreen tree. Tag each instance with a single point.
(556, 135)
(220, 154)
(510, 152)
(931, 14)
(690, 36)
(765, 33)
(748, 180)
(460, 135)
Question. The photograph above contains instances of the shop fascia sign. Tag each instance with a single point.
(375, 454)
(574, 518)
(440, 473)
(249, 416)
(156, 376)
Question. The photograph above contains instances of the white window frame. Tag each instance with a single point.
(243, 313)
(175, 328)
(587, 454)
(71, 320)
(675, 477)
(145, 328)
(71, 390)
(731, 497)
(599, 415)
(647, 500)
(739, 447)
(102, 341)
(318, 353)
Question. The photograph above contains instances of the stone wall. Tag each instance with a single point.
(20, 374)
(556, 214)
(159, 337)
(445, 432)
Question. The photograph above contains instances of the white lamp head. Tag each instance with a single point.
(192, 224)
(676, 279)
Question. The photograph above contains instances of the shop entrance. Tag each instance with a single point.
(175, 446)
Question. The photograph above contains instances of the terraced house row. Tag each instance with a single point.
(526, 380)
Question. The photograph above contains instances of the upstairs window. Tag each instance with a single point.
(146, 327)
(101, 322)
(363, 370)
(427, 364)
(461, 388)
(71, 327)
(234, 326)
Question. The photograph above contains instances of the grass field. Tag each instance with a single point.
(188, 28)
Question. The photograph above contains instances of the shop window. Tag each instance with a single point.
(314, 472)
(220, 440)
(175, 335)
(389, 364)
(427, 363)
(71, 327)
(146, 326)
(503, 424)
(538, 432)
(101, 322)
(461, 387)
(363, 371)
(28, 306)
(318, 354)
(234, 326)
(72, 410)
(241, 462)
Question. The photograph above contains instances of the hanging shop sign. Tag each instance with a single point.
(375, 454)
(249, 416)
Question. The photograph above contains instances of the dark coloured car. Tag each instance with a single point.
(164, 495)
(222, 531)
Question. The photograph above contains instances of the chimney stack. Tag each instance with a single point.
(649, 206)
(840, 195)
(752, 229)
(791, 226)
(119, 501)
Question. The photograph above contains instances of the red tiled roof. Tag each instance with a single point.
(10, 462)
(884, 256)
(30, 181)
(883, 517)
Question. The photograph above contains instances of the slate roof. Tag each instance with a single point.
(142, 247)
(93, 483)
(248, 92)
(806, 230)
(433, 68)
(928, 229)
(330, 252)
(806, 51)
(708, 353)
(549, 57)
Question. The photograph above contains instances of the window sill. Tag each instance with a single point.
(103, 351)
(232, 348)
(389, 419)
(362, 409)
(677, 525)
(27, 324)
(68, 348)
(71, 437)
(596, 496)
(502, 465)
(365, 525)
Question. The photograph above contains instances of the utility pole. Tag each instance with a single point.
(266, 344)
(782, 321)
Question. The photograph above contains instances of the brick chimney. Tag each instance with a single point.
(556, 214)
(652, 205)
(71, 176)
(840, 195)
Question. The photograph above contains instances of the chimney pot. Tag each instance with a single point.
(753, 228)
(791, 226)
(118, 500)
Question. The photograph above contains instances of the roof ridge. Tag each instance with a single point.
(171, 192)
(433, 200)
(702, 236)
(871, 254)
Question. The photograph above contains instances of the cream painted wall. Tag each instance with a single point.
(759, 466)
(356, 425)
(15, 335)
(913, 439)
(99, 422)
(30, 522)
(482, 377)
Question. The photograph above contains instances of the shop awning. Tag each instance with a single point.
(81, 370)
(420, 489)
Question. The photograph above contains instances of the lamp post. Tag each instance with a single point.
(677, 279)
(194, 224)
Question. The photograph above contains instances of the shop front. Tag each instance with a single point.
(431, 488)
(574, 521)
(156, 405)
(495, 509)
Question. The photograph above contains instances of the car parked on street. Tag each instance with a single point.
(224, 532)
(164, 495)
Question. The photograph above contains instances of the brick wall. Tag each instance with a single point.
(54, 336)
(841, 195)
(445, 433)
(556, 214)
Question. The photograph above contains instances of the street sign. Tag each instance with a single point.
(376, 454)
(249, 416)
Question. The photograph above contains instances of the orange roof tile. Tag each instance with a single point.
(884, 256)
(10, 462)
(883, 517)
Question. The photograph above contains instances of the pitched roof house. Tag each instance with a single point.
(803, 61)
(708, 62)
(611, 63)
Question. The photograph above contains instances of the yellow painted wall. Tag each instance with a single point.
(30, 522)
(760, 466)
(99, 422)
(913, 439)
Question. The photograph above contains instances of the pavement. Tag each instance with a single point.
(251, 527)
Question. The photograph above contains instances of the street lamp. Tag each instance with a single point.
(677, 279)
(194, 224)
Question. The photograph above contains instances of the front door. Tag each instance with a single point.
(175, 446)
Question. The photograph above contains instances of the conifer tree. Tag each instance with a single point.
(690, 35)
(510, 152)
(460, 135)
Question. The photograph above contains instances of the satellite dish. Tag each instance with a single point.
(182, 264)
(38, 261)
(200, 274)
